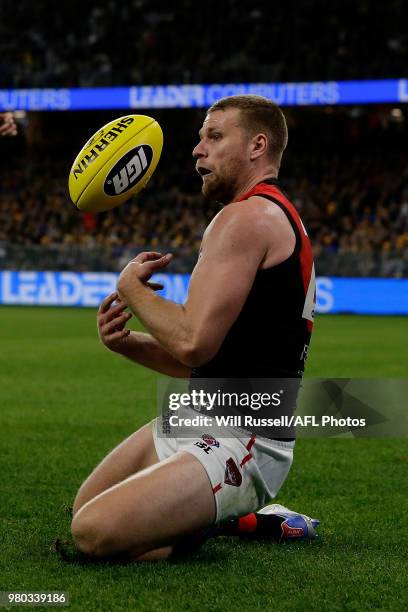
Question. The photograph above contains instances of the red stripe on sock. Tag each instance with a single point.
(247, 524)
(217, 488)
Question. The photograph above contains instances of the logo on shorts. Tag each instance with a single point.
(210, 440)
(232, 474)
(203, 446)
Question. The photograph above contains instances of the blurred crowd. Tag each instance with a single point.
(356, 216)
(35, 209)
(346, 170)
(150, 42)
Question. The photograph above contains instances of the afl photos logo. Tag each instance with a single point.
(128, 170)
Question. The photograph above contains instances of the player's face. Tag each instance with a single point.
(221, 155)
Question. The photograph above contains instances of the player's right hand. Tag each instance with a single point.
(111, 320)
(8, 126)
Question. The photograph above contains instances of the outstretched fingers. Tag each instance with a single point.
(107, 302)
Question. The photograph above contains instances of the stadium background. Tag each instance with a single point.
(66, 402)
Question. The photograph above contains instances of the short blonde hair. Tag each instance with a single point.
(259, 114)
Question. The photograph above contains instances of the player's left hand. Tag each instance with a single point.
(141, 269)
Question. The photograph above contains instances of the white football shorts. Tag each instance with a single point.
(245, 473)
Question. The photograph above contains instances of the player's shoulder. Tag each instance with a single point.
(238, 224)
(241, 213)
(251, 216)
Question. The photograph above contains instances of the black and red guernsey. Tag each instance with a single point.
(271, 335)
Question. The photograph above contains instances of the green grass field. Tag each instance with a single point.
(66, 401)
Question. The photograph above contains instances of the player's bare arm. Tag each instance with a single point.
(239, 241)
(136, 346)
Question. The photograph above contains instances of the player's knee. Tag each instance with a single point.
(89, 535)
(78, 503)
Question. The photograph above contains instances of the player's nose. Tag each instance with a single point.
(199, 150)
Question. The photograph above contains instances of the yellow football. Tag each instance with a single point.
(116, 163)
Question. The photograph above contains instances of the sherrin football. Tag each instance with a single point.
(116, 163)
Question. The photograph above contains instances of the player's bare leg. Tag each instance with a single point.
(131, 456)
(145, 515)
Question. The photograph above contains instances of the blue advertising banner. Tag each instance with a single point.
(381, 296)
(202, 96)
(334, 295)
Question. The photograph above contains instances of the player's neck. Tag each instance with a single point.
(250, 184)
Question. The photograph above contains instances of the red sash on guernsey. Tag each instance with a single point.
(276, 195)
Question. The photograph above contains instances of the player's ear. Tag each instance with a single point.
(259, 145)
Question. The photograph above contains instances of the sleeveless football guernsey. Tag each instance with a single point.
(271, 335)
